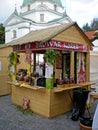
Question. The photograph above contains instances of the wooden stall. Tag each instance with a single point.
(69, 69)
(4, 87)
(5, 50)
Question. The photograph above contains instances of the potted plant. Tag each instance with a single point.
(50, 57)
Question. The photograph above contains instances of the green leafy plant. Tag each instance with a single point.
(27, 112)
(50, 55)
(12, 58)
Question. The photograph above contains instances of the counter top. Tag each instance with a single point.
(26, 85)
(55, 90)
(72, 86)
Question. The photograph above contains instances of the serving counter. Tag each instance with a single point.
(46, 102)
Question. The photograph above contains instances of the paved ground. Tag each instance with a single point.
(13, 119)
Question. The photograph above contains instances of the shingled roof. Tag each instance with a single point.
(90, 34)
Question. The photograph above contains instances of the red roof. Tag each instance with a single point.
(90, 34)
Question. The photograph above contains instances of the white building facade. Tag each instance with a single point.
(34, 15)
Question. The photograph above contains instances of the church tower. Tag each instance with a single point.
(35, 15)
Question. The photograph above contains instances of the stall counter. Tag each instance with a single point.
(46, 102)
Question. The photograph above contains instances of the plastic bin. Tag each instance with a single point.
(80, 96)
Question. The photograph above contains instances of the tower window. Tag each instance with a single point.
(41, 17)
(14, 34)
(55, 7)
(28, 7)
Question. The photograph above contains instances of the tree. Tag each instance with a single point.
(94, 24)
(86, 27)
(92, 27)
(2, 34)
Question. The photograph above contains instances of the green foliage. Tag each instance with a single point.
(11, 57)
(50, 55)
(94, 24)
(12, 62)
(27, 112)
(86, 27)
(2, 34)
(92, 27)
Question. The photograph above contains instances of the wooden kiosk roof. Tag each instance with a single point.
(69, 32)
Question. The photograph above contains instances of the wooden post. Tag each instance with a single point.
(72, 64)
(87, 66)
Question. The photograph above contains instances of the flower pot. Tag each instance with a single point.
(49, 83)
(84, 127)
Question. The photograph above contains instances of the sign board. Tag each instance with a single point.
(54, 44)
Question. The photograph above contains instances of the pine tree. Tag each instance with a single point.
(2, 34)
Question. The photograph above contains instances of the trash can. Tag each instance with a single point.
(80, 96)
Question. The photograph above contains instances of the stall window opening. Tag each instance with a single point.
(40, 65)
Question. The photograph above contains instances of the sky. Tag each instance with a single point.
(80, 11)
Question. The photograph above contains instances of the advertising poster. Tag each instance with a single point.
(81, 67)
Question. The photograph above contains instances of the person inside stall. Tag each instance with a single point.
(41, 80)
(42, 66)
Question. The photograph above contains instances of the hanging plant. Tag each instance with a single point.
(50, 55)
(13, 60)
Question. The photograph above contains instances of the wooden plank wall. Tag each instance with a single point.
(39, 101)
(4, 87)
(47, 104)
(60, 103)
(73, 35)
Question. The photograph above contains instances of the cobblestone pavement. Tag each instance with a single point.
(13, 119)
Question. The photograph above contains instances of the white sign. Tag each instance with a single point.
(12, 69)
(49, 71)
